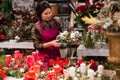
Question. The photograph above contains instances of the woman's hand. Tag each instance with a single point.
(56, 43)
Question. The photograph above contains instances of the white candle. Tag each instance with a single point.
(100, 69)
(75, 78)
(72, 71)
(66, 74)
(91, 74)
(83, 68)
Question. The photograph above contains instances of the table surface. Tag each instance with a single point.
(17, 45)
(82, 51)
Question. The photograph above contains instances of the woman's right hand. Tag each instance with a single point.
(56, 43)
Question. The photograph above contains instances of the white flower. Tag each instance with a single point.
(72, 35)
(22, 70)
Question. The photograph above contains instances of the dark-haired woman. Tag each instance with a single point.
(45, 31)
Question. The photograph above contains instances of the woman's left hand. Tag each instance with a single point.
(56, 43)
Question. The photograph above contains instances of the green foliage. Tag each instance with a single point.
(89, 41)
(6, 6)
(15, 73)
(2, 58)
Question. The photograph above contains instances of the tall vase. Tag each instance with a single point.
(114, 48)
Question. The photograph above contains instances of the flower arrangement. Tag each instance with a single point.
(69, 38)
(88, 9)
(109, 17)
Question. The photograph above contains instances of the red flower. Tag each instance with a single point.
(2, 36)
(51, 62)
(61, 63)
(66, 61)
(80, 61)
(93, 65)
(2, 73)
(87, 2)
(97, 6)
(42, 59)
(81, 8)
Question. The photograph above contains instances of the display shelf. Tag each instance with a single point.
(56, 1)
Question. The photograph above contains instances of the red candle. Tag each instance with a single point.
(31, 74)
(36, 68)
(16, 54)
(57, 69)
(35, 55)
(30, 60)
(8, 59)
(51, 75)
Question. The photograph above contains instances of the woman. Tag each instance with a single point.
(45, 31)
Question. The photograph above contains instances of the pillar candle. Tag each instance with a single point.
(16, 54)
(72, 71)
(57, 69)
(35, 55)
(100, 69)
(8, 59)
(83, 68)
(91, 74)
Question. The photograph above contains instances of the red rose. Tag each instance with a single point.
(81, 8)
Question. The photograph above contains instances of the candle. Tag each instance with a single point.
(51, 75)
(16, 54)
(30, 60)
(57, 69)
(72, 71)
(83, 68)
(36, 68)
(35, 55)
(75, 78)
(91, 74)
(8, 59)
(100, 69)
(66, 74)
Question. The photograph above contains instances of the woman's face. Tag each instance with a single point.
(46, 14)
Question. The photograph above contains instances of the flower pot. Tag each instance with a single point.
(114, 47)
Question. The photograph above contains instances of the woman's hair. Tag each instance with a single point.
(40, 7)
